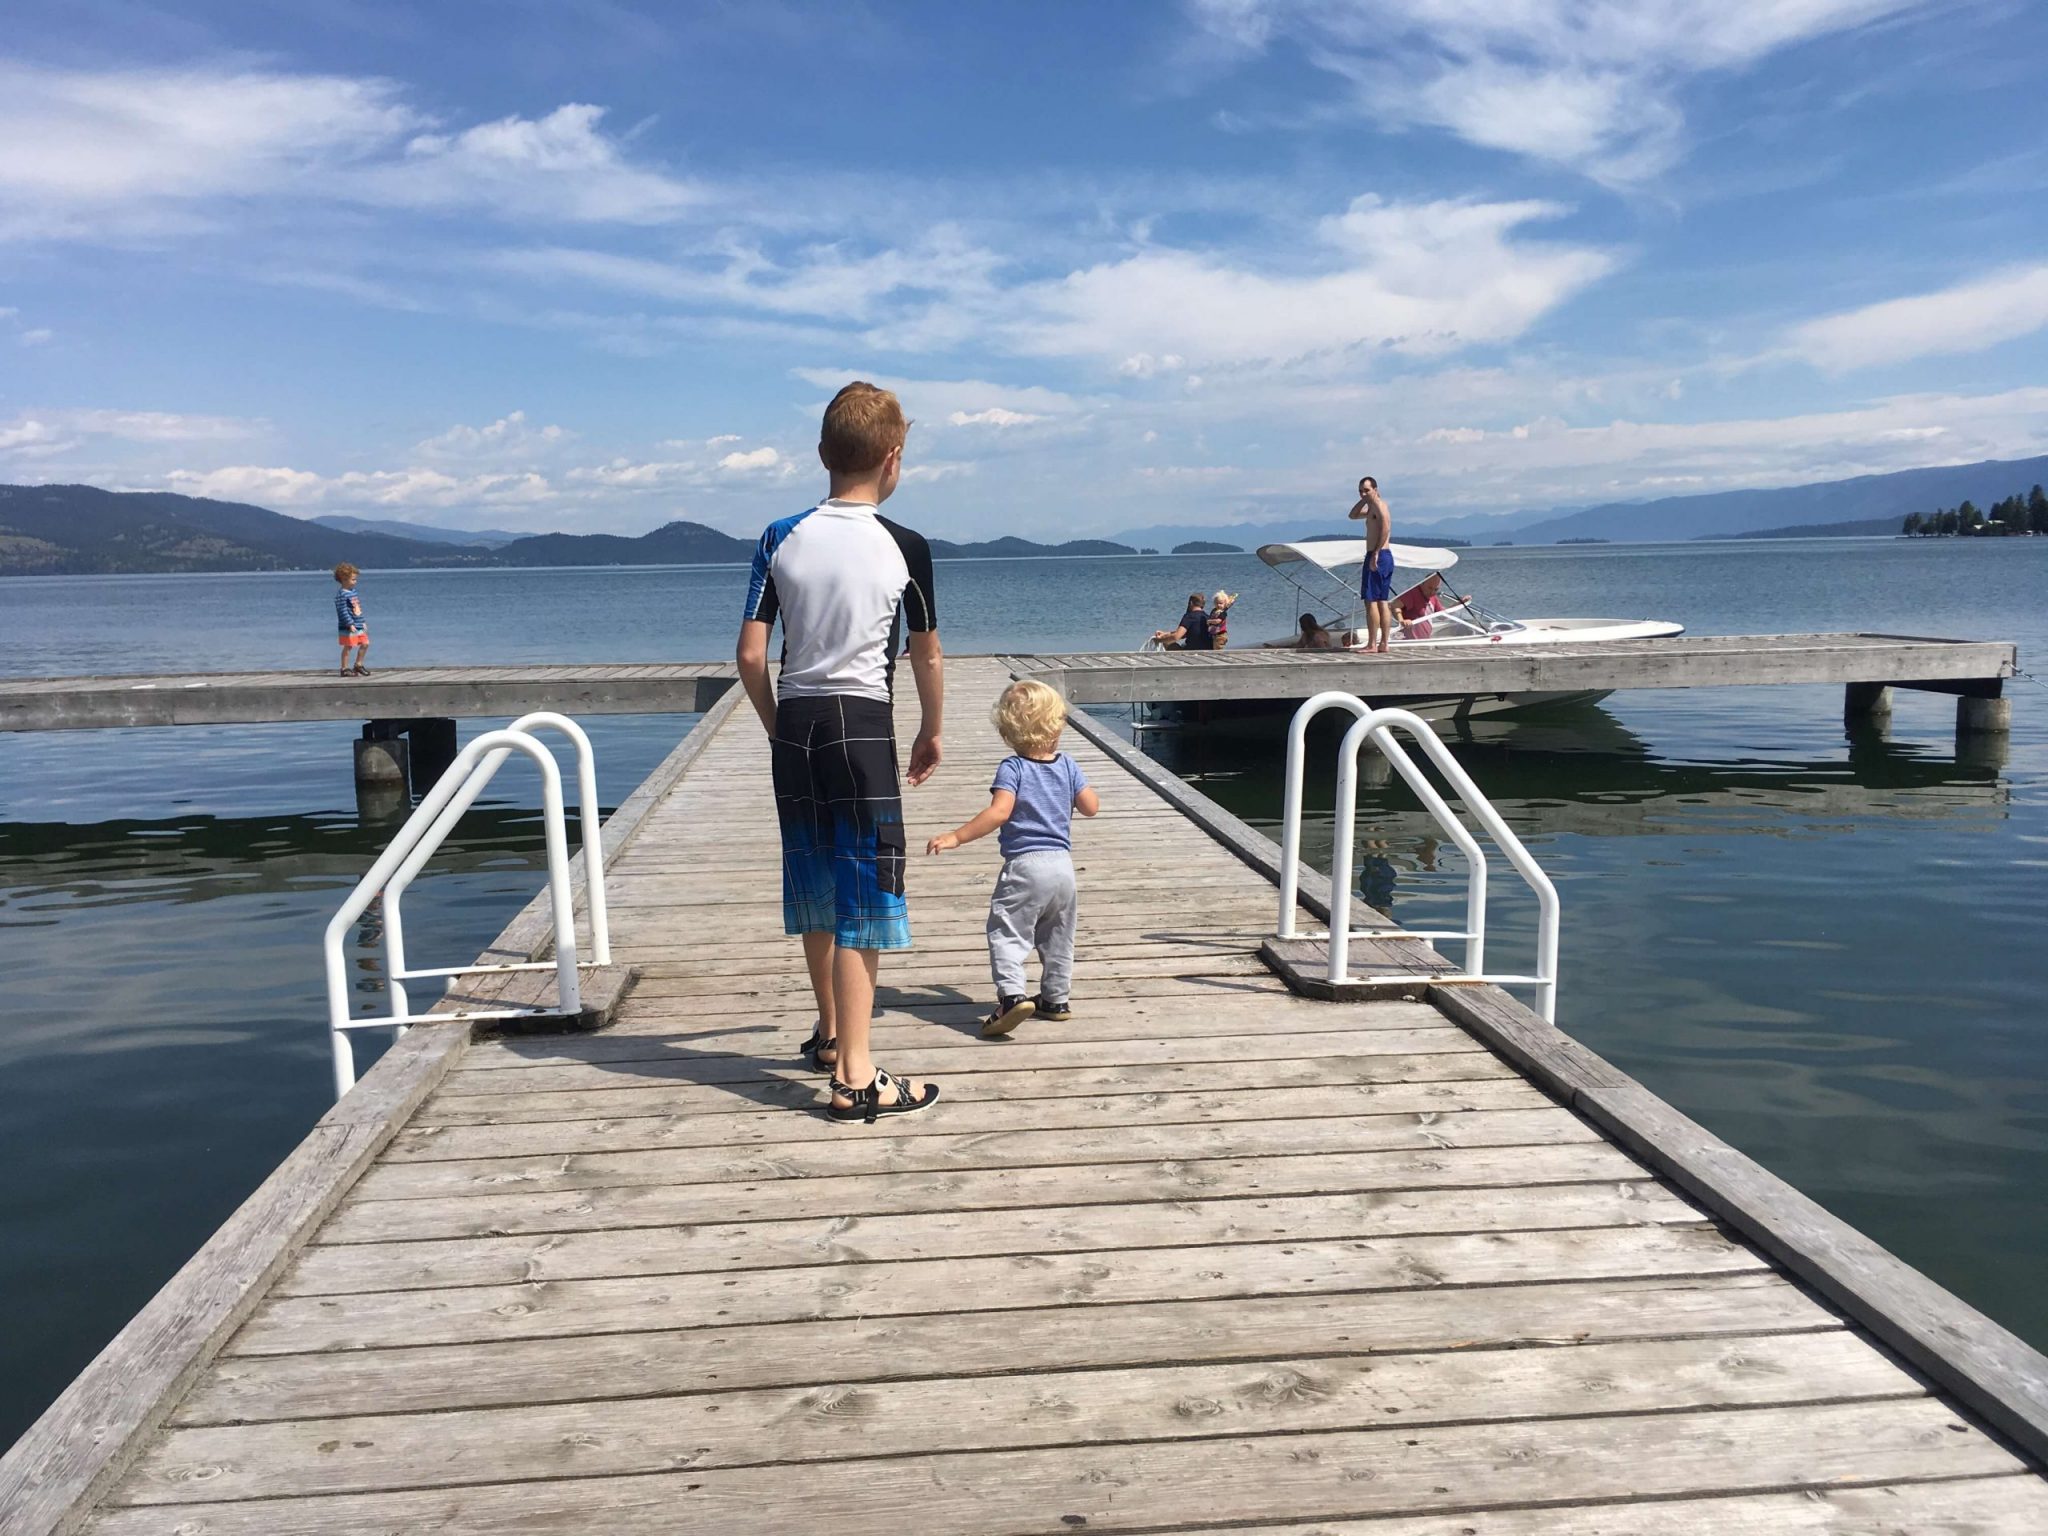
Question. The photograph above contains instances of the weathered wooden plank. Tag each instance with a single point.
(255, 1388)
(937, 1059)
(340, 1268)
(778, 1199)
(1562, 1313)
(837, 1421)
(476, 1314)
(1977, 1506)
(793, 1087)
(811, 1157)
(1987, 1369)
(434, 1143)
(1392, 1470)
(658, 1028)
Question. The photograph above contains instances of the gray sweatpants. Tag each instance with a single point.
(1033, 908)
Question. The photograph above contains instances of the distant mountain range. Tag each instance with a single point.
(67, 530)
(488, 538)
(81, 529)
(1833, 506)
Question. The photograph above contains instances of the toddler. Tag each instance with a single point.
(1036, 791)
(348, 613)
(1219, 618)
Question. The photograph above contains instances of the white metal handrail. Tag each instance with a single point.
(417, 841)
(1378, 725)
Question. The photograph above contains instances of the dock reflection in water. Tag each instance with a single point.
(1810, 948)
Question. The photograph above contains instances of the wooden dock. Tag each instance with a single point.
(389, 693)
(1973, 668)
(1209, 1257)
(1866, 665)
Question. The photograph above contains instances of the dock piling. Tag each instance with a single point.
(1983, 717)
(1866, 702)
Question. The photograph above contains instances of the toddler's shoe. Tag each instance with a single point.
(1010, 1012)
(1058, 1012)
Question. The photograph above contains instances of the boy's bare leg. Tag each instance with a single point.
(853, 990)
(818, 952)
(362, 655)
(345, 654)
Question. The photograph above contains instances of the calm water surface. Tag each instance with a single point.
(1826, 949)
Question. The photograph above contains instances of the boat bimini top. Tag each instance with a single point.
(1335, 554)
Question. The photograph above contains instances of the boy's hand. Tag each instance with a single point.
(925, 753)
(945, 842)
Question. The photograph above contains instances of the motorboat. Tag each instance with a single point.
(1313, 566)
(1430, 615)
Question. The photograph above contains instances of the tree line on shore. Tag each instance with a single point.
(2016, 514)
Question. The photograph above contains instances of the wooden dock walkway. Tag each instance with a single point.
(1208, 1257)
(1865, 664)
(1974, 668)
(388, 693)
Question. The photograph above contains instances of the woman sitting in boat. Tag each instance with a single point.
(1416, 604)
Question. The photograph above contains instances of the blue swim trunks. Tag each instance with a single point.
(834, 761)
(1376, 585)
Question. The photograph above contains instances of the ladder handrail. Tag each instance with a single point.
(1378, 726)
(1290, 815)
(589, 836)
(425, 829)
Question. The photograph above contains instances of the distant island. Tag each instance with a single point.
(1207, 547)
(1583, 540)
(2013, 517)
(81, 530)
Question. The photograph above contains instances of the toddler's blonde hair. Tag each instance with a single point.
(1030, 716)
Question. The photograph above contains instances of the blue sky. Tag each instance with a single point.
(595, 266)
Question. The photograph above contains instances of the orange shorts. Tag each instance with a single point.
(360, 637)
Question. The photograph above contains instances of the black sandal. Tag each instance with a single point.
(813, 1050)
(867, 1105)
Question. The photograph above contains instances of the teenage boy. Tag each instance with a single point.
(1376, 584)
(845, 582)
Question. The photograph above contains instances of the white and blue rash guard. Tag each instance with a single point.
(843, 580)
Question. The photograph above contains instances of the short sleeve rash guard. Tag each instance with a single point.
(844, 581)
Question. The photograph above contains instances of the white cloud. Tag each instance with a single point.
(415, 487)
(722, 439)
(1590, 84)
(993, 416)
(47, 431)
(1417, 278)
(831, 282)
(751, 459)
(560, 166)
(1966, 318)
(36, 337)
(92, 153)
(933, 470)
(946, 397)
(625, 474)
(508, 435)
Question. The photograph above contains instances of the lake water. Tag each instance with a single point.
(1828, 950)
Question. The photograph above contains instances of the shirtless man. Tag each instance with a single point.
(1376, 585)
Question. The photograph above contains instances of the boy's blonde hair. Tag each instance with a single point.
(1030, 716)
(346, 574)
(862, 424)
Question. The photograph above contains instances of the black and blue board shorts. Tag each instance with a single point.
(834, 763)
